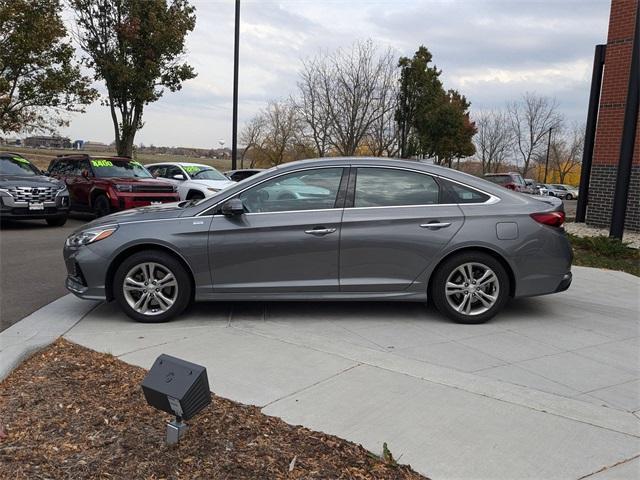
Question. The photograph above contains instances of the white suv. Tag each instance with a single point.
(193, 180)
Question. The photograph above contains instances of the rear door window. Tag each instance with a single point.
(389, 187)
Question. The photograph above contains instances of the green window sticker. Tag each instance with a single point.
(192, 169)
(137, 164)
(102, 163)
(21, 160)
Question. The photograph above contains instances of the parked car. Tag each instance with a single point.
(193, 180)
(373, 229)
(109, 184)
(566, 192)
(26, 193)
(239, 175)
(511, 180)
(535, 187)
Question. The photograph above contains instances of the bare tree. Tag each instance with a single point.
(531, 118)
(493, 140)
(311, 106)
(565, 154)
(343, 94)
(252, 137)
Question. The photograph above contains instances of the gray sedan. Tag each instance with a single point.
(358, 229)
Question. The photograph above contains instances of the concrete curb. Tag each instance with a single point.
(40, 329)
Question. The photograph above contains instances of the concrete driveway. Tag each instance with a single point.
(546, 390)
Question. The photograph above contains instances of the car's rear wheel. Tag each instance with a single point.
(568, 197)
(470, 287)
(56, 221)
(101, 206)
(152, 286)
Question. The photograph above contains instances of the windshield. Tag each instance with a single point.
(202, 172)
(17, 166)
(119, 168)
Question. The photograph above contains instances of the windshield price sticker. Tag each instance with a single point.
(21, 160)
(193, 169)
(102, 163)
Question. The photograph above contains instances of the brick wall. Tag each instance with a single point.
(606, 154)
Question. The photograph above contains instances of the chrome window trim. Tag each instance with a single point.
(204, 212)
(492, 198)
(490, 201)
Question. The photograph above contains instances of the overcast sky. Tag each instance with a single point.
(490, 50)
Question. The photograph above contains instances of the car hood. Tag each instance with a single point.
(7, 181)
(219, 184)
(152, 212)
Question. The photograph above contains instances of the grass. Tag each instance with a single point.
(605, 252)
(41, 157)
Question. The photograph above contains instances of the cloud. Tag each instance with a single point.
(491, 50)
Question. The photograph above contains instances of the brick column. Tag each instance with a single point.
(606, 152)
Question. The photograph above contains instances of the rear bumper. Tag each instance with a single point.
(565, 283)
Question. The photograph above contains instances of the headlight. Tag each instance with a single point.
(90, 236)
(62, 190)
(4, 190)
(124, 188)
(213, 189)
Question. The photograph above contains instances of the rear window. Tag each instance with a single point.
(109, 168)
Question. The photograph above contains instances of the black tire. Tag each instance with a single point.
(195, 195)
(167, 261)
(568, 197)
(439, 282)
(56, 221)
(101, 206)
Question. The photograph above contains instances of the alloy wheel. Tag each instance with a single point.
(472, 288)
(150, 288)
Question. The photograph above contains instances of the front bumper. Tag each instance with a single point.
(9, 208)
(127, 200)
(86, 273)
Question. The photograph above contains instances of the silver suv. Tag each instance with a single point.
(25, 193)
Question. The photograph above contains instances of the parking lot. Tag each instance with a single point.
(32, 271)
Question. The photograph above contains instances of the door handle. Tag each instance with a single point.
(320, 231)
(435, 225)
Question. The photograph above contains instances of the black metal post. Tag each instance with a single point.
(236, 54)
(546, 163)
(621, 194)
(590, 132)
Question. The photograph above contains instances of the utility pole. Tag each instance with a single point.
(546, 163)
(236, 52)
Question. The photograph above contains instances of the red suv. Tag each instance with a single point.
(108, 184)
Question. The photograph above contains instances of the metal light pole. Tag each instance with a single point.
(546, 163)
(236, 51)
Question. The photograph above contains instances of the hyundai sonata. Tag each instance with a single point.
(331, 229)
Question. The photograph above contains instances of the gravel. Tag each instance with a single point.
(583, 230)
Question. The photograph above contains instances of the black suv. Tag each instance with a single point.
(25, 193)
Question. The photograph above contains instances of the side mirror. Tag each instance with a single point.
(178, 176)
(233, 207)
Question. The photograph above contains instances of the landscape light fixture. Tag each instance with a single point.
(177, 387)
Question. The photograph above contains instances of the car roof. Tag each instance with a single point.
(84, 156)
(181, 164)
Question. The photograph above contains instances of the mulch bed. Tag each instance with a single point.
(70, 412)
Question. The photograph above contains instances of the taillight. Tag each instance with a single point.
(553, 219)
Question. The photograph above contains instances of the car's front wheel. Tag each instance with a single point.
(470, 287)
(152, 286)
(568, 197)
